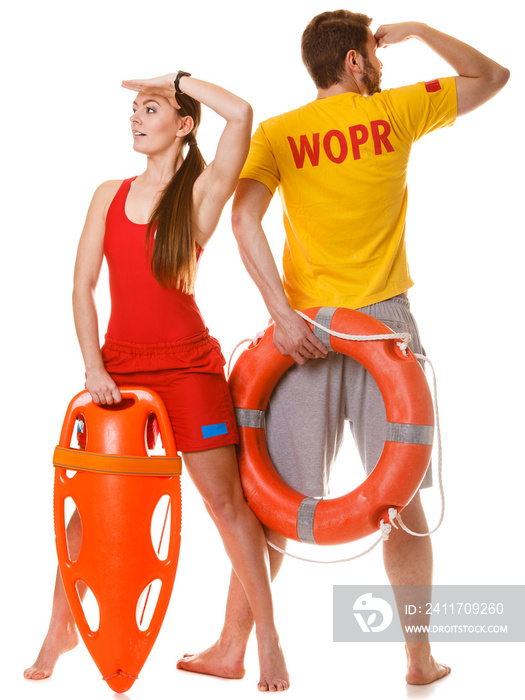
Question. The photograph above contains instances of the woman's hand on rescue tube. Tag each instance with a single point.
(102, 388)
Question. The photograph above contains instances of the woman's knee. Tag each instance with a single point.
(225, 507)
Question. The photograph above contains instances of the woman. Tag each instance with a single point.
(153, 229)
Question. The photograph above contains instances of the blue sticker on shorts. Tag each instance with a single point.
(209, 431)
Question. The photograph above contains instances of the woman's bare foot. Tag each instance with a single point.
(52, 649)
(274, 674)
(215, 661)
(228, 662)
(422, 667)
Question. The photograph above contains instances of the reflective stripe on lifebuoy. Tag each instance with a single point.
(406, 453)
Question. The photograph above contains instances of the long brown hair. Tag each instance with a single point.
(173, 254)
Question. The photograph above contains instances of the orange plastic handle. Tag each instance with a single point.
(146, 403)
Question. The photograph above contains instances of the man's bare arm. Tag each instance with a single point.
(479, 77)
(292, 336)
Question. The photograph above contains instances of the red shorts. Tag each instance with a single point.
(189, 378)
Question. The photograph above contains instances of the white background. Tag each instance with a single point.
(65, 129)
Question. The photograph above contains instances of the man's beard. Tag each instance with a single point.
(371, 78)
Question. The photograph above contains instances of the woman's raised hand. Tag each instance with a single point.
(163, 85)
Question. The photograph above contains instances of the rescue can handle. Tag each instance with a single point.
(144, 400)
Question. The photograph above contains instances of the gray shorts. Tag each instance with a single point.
(307, 410)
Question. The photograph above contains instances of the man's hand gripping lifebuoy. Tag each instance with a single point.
(292, 336)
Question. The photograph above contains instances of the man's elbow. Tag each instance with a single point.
(503, 76)
(241, 219)
(498, 78)
(474, 92)
(250, 203)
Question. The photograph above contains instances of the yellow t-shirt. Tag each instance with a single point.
(340, 165)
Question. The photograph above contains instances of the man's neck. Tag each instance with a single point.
(348, 85)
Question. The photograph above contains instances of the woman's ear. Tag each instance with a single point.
(186, 126)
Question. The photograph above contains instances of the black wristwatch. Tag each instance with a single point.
(180, 74)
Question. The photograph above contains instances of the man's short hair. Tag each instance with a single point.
(326, 41)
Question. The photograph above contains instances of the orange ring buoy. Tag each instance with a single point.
(406, 453)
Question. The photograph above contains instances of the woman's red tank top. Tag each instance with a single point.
(142, 311)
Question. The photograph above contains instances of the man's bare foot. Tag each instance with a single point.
(422, 667)
(274, 674)
(52, 649)
(215, 661)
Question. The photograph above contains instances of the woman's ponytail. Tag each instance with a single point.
(173, 254)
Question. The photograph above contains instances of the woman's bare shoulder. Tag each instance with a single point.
(104, 195)
(109, 188)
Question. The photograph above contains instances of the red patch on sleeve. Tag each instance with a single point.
(433, 86)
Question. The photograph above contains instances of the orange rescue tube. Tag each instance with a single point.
(406, 453)
(116, 487)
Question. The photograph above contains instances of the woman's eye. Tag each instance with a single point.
(151, 110)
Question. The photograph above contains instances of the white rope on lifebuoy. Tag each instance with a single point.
(403, 337)
(393, 515)
(253, 340)
(385, 531)
(440, 458)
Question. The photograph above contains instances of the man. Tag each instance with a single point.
(340, 165)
